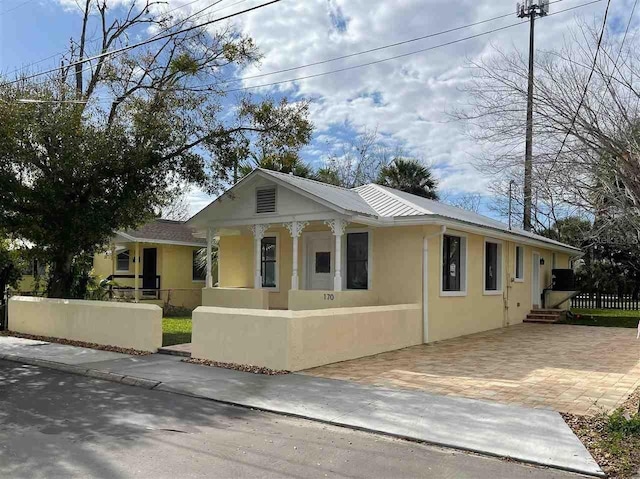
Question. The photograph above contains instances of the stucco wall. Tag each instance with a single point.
(452, 316)
(295, 340)
(236, 298)
(311, 300)
(126, 325)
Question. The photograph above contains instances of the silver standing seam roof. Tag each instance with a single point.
(383, 202)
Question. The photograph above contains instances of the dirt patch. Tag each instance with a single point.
(612, 439)
(247, 368)
(82, 344)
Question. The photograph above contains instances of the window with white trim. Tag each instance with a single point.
(492, 266)
(122, 261)
(358, 260)
(519, 266)
(269, 261)
(454, 251)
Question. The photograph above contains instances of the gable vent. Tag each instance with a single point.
(266, 200)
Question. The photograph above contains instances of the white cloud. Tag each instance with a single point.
(415, 93)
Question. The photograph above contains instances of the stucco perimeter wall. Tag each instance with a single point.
(236, 298)
(312, 300)
(296, 340)
(126, 325)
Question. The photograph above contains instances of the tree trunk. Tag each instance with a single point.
(60, 277)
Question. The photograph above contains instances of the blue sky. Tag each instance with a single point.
(406, 100)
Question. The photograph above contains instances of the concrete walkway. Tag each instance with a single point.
(529, 435)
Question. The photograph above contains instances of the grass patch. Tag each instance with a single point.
(613, 439)
(613, 318)
(176, 331)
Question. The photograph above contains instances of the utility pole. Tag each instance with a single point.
(530, 9)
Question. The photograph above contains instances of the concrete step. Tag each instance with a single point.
(541, 320)
(183, 350)
(544, 316)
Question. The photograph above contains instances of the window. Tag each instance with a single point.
(357, 260)
(323, 262)
(266, 200)
(519, 263)
(268, 261)
(453, 264)
(122, 263)
(198, 267)
(492, 267)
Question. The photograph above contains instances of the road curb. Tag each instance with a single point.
(83, 371)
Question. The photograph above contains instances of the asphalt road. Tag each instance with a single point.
(54, 424)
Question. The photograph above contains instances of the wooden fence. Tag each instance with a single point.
(605, 301)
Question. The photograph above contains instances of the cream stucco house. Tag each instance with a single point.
(297, 245)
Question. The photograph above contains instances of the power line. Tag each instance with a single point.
(145, 42)
(395, 57)
(586, 86)
(441, 45)
(371, 50)
(383, 47)
(61, 54)
(15, 8)
(182, 21)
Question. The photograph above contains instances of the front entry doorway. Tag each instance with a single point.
(319, 260)
(149, 272)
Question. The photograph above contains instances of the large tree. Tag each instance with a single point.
(106, 143)
(586, 112)
(411, 176)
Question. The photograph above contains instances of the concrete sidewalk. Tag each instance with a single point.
(529, 435)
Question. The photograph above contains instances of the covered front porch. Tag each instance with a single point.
(302, 264)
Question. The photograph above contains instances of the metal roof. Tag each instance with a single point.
(164, 231)
(343, 198)
(389, 202)
(383, 203)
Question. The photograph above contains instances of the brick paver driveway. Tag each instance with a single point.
(577, 369)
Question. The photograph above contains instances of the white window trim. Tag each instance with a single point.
(255, 200)
(498, 291)
(275, 235)
(465, 239)
(123, 270)
(343, 260)
(515, 263)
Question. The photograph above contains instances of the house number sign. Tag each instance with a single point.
(329, 297)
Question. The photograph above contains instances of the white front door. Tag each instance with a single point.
(535, 280)
(319, 261)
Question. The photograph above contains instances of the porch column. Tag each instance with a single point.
(258, 233)
(337, 226)
(209, 281)
(136, 271)
(295, 229)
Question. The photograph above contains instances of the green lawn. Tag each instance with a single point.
(176, 331)
(616, 318)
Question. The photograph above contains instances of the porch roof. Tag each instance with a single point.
(162, 231)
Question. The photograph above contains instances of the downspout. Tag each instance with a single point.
(425, 282)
